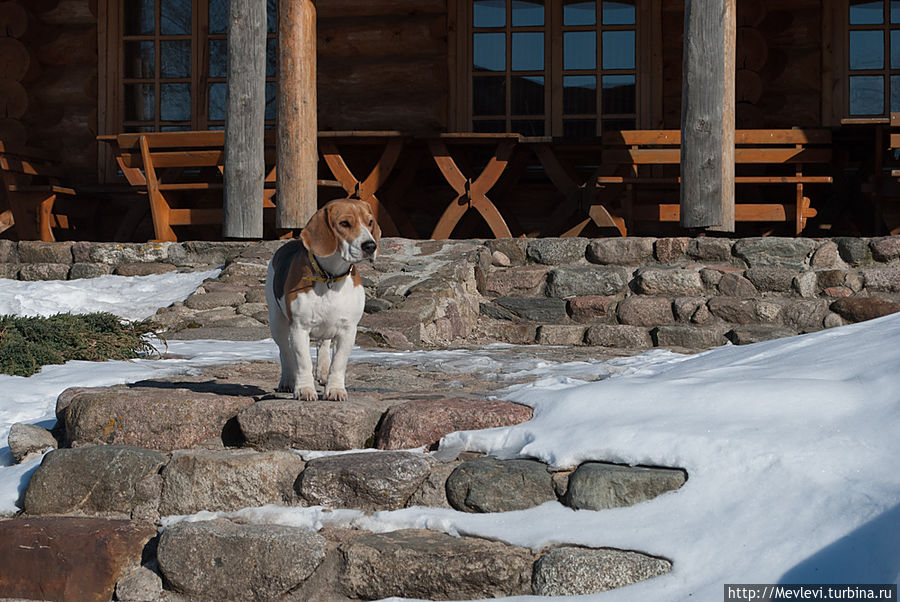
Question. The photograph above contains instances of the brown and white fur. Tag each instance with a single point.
(303, 306)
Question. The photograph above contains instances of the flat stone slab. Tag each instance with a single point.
(104, 480)
(597, 485)
(220, 560)
(424, 421)
(27, 441)
(491, 485)
(315, 425)
(153, 417)
(571, 571)
(434, 566)
(68, 558)
(366, 481)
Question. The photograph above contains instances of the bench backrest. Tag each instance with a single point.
(663, 147)
(178, 149)
(22, 162)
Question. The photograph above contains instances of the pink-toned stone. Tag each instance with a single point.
(517, 280)
(838, 291)
(670, 249)
(425, 421)
(589, 308)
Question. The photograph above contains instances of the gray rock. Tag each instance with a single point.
(321, 425)
(140, 585)
(669, 250)
(8, 251)
(514, 248)
(9, 271)
(535, 309)
(686, 308)
(432, 493)
(735, 285)
(88, 270)
(883, 249)
(776, 252)
(213, 253)
(27, 441)
(577, 281)
(241, 272)
(33, 272)
(214, 299)
(733, 309)
(227, 480)
(556, 251)
(882, 280)
(500, 259)
(608, 335)
(854, 251)
(621, 251)
(805, 284)
(826, 256)
(435, 566)
(571, 571)
(711, 276)
(490, 485)
(672, 282)
(97, 480)
(805, 314)
(122, 253)
(218, 560)
(768, 279)
(560, 334)
(143, 269)
(714, 250)
(745, 335)
(36, 251)
(689, 337)
(597, 486)
(366, 481)
(638, 310)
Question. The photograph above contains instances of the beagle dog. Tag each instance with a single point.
(314, 291)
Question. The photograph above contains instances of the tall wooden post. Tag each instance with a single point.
(707, 115)
(297, 154)
(245, 119)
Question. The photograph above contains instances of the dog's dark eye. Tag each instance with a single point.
(370, 223)
(344, 224)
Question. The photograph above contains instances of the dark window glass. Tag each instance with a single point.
(131, 129)
(618, 13)
(866, 12)
(140, 60)
(528, 51)
(528, 127)
(618, 94)
(489, 13)
(489, 96)
(895, 49)
(866, 95)
(489, 51)
(895, 93)
(271, 16)
(527, 13)
(271, 57)
(217, 101)
(271, 101)
(218, 58)
(175, 58)
(580, 94)
(579, 128)
(140, 18)
(175, 128)
(527, 96)
(175, 17)
(579, 12)
(579, 50)
(489, 126)
(140, 102)
(218, 16)
(618, 124)
(866, 50)
(895, 11)
(175, 102)
(618, 50)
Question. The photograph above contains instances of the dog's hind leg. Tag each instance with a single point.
(323, 361)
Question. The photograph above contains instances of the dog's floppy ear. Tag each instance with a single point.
(318, 236)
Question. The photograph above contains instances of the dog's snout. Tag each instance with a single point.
(369, 247)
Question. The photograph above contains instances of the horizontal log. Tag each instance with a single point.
(366, 8)
(743, 212)
(13, 99)
(752, 49)
(72, 46)
(13, 20)
(13, 131)
(66, 86)
(382, 36)
(14, 59)
(748, 86)
(42, 6)
(368, 78)
(71, 13)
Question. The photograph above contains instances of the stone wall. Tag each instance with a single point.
(691, 293)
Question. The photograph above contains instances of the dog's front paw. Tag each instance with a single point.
(336, 394)
(306, 394)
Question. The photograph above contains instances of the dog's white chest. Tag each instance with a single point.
(326, 311)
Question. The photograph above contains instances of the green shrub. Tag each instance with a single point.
(27, 344)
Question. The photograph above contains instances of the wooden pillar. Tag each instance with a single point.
(245, 119)
(297, 154)
(707, 115)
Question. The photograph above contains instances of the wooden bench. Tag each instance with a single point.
(29, 187)
(166, 164)
(762, 157)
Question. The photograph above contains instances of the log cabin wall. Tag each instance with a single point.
(48, 80)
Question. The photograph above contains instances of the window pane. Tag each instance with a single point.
(489, 96)
(271, 16)
(895, 49)
(175, 58)
(140, 59)
(174, 128)
(617, 124)
(175, 17)
(218, 58)
(217, 102)
(528, 51)
(271, 101)
(579, 12)
(137, 128)
(895, 93)
(271, 57)
(140, 18)
(579, 94)
(580, 50)
(618, 94)
(140, 102)
(866, 12)
(618, 13)
(528, 127)
(489, 51)
(618, 50)
(895, 11)
(866, 50)
(579, 128)
(527, 13)
(527, 96)
(175, 102)
(218, 16)
(489, 13)
(489, 126)
(867, 95)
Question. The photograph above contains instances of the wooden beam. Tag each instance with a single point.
(707, 115)
(244, 119)
(297, 153)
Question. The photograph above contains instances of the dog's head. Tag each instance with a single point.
(347, 226)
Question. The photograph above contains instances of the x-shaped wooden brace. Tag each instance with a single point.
(366, 189)
(471, 194)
